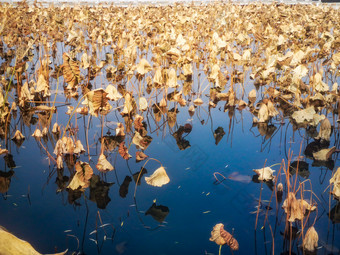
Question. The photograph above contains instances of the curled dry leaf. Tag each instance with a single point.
(103, 164)
(325, 130)
(81, 179)
(56, 128)
(335, 180)
(263, 113)
(138, 140)
(143, 104)
(71, 71)
(123, 151)
(60, 162)
(143, 67)
(97, 102)
(310, 241)
(296, 208)
(265, 174)
(112, 93)
(79, 148)
(324, 154)
(158, 178)
(221, 237)
(12, 245)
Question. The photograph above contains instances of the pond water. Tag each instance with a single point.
(208, 154)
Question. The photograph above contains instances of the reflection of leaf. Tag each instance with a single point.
(99, 191)
(124, 188)
(12, 245)
(158, 178)
(302, 167)
(334, 214)
(5, 180)
(158, 212)
(218, 135)
(140, 174)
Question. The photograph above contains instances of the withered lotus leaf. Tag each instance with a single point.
(123, 151)
(304, 115)
(310, 241)
(103, 164)
(221, 237)
(296, 208)
(71, 71)
(325, 130)
(324, 154)
(81, 179)
(138, 140)
(42, 86)
(143, 67)
(335, 180)
(172, 79)
(143, 104)
(265, 174)
(97, 102)
(129, 104)
(79, 148)
(198, 101)
(112, 93)
(158, 178)
(263, 114)
(162, 103)
(18, 136)
(12, 245)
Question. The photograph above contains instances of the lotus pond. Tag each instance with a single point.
(174, 129)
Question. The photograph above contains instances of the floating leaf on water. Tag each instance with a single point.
(222, 237)
(265, 174)
(158, 212)
(158, 178)
(310, 241)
